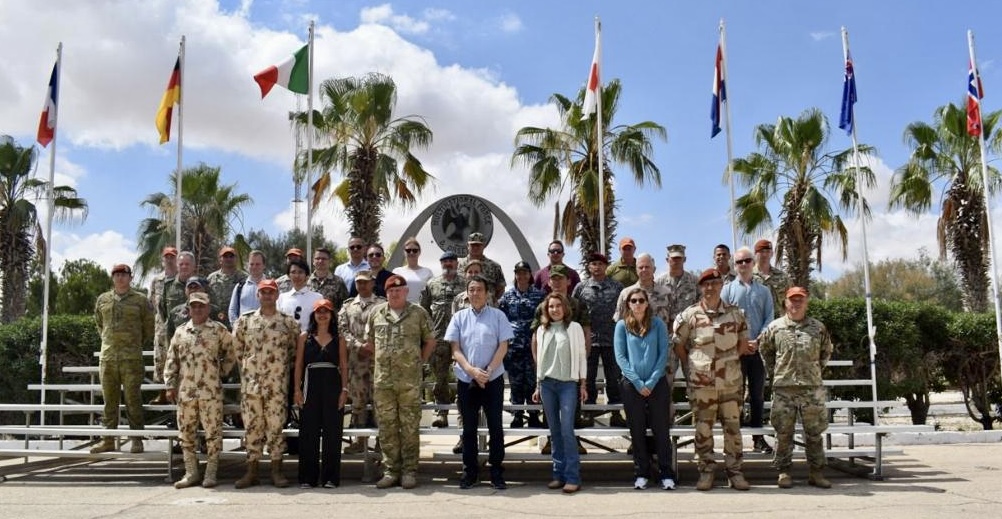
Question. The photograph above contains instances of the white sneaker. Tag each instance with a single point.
(640, 483)
(667, 484)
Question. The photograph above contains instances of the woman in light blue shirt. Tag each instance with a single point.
(641, 347)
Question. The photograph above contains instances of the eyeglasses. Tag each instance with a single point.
(298, 313)
(555, 251)
(355, 247)
(412, 251)
(636, 301)
(375, 254)
(743, 261)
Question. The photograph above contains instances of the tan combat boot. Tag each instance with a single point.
(705, 481)
(249, 478)
(211, 468)
(816, 477)
(784, 480)
(191, 476)
(356, 447)
(107, 445)
(738, 482)
(137, 446)
(277, 478)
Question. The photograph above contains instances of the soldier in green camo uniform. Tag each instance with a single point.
(221, 283)
(351, 321)
(436, 299)
(770, 276)
(400, 334)
(179, 314)
(168, 259)
(173, 295)
(489, 268)
(124, 318)
(200, 354)
(325, 282)
(709, 339)
(682, 285)
(796, 349)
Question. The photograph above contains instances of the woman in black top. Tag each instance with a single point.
(321, 366)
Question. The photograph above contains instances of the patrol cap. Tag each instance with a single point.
(196, 280)
(121, 267)
(559, 271)
(676, 251)
(448, 255)
(198, 297)
(796, 292)
(363, 275)
(762, 245)
(169, 251)
(323, 303)
(477, 237)
(709, 275)
(227, 250)
(267, 284)
(522, 266)
(595, 256)
(294, 252)
(395, 281)
(627, 241)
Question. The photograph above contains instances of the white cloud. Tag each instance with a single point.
(822, 35)
(511, 23)
(384, 15)
(106, 249)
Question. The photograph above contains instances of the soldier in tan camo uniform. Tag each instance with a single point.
(709, 339)
(264, 341)
(351, 321)
(200, 354)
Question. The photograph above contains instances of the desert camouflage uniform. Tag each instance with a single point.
(397, 382)
(351, 321)
(710, 338)
(263, 347)
(220, 290)
(126, 326)
(491, 271)
(437, 299)
(795, 354)
(198, 357)
(778, 282)
(331, 287)
(284, 283)
(179, 315)
(684, 292)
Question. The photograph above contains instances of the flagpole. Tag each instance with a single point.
(309, 152)
(871, 330)
(43, 357)
(730, 144)
(599, 140)
(178, 207)
(992, 273)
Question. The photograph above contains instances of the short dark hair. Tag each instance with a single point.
(723, 246)
(297, 262)
(477, 279)
(324, 250)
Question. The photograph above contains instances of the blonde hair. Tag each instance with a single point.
(638, 327)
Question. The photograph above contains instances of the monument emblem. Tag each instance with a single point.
(455, 217)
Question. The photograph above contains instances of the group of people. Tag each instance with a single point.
(313, 341)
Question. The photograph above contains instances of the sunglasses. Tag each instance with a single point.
(375, 254)
(412, 251)
(298, 313)
(743, 261)
(555, 251)
(322, 310)
(355, 247)
(635, 301)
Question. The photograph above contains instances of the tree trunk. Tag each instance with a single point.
(918, 406)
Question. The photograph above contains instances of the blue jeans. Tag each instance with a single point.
(559, 404)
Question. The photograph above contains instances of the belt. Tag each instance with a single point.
(306, 376)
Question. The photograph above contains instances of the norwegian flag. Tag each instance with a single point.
(975, 92)
(719, 91)
(594, 79)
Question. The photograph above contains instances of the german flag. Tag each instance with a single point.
(171, 96)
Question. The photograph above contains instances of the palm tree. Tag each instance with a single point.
(944, 155)
(212, 212)
(810, 184)
(20, 229)
(567, 157)
(359, 137)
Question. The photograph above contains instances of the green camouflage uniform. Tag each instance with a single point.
(179, 315)
(684, 292)
(126, 326)
(264, 347)
(351, 321)
(172, 295)
(491, 271)
(221, 290)
(710, 338)
(795, 354)
(159, 327)
(397, 382)
(331, 287)
(625, 274)
(778, 282)
(198, 357)
(437, 298)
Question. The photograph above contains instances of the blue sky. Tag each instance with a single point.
(478, 71)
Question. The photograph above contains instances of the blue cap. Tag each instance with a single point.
(448, 255)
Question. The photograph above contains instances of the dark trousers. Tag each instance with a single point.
(612, 374)
(652, 412)
(753, 369)
(473, 398)
(320, 424)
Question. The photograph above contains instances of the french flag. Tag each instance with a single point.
(47, 122)
(974, 94)
(719, 91)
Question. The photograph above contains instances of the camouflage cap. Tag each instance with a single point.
(676, 251)
(363, 275)
(559, 271)
(198, 297)
(477, 237)
(448, 255)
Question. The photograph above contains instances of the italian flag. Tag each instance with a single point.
(293, 74)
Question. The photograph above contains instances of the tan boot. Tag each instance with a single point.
(705, 481)
(738, 482)
(277, 478)
(137, 446)
(816, 477)
(784, 480)
(107, 445)
(249, 478)
(191, 476)
(211, 468)
(356, 447)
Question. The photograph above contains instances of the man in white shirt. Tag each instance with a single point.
(298, 302)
